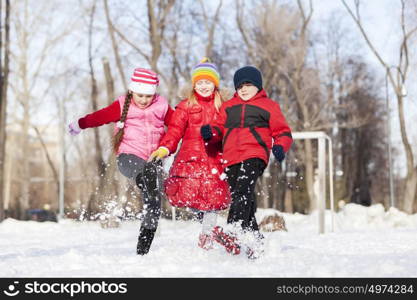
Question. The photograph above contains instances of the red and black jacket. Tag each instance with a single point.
(249, 129)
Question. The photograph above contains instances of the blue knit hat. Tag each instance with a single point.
(248, 74)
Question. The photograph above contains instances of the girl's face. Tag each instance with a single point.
(204, 87)
(246, 91)
(141, 100)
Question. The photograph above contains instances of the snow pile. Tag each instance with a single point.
(350, 217)
(366, 242)
(375, 216)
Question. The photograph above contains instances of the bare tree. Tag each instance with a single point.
(109, 80)
(351, 90)
(397, 82)
(268, 47)
(48, 156)
(94, 202)
(360, 147)
(192, 30)
(29, 59)
(114, 44)
(178, 43)
(210, 26)
(111, 184)
(157, 15)
(158, 12)
(4, 75)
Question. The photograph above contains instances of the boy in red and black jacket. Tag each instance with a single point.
(250, 125)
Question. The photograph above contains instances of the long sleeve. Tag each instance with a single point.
(103, 116)
(176, 128)
(218, 125)
(168, 116)
(281, 132)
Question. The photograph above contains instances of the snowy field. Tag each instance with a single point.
(367, 242)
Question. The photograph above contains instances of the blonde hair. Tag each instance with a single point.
(218, 99)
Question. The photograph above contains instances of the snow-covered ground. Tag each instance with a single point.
(366, 242)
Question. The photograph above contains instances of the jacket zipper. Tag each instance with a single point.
(243, 115)
(242, 121)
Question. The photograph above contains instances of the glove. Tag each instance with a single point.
(159, 154)
(74, 128)
(278, 152)
(206, 132)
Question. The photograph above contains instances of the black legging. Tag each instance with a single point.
(133, 167)
(242, 179)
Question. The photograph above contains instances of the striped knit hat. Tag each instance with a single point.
(144, 81)
(205, 70)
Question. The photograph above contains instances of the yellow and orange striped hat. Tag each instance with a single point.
(205, 70)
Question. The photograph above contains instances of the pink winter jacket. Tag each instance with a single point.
(143, 127)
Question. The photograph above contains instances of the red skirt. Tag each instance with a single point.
(193, 185)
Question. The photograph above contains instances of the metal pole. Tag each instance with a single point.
(391, 180)
(321, 201)
(331, 179)
(61, 133)
(321, 193)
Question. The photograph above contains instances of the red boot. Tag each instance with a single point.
(205, 241)
(226, 240)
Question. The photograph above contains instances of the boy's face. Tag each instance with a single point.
(246, 91)
(204, 87)
(142, 100)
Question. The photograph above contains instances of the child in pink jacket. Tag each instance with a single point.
(140, 115)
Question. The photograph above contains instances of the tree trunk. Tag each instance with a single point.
(114, 45)
(261, 191)
(361, 183)
(93, 204)
(49, 160)
(410, 191)
(109, 81)
(4, 75)
(288, 206)
(25, 174)
(277, 186)
(110, 183)
(309, 173)
(347, 138)
(411, 179)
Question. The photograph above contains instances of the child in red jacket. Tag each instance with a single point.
(140, 116)
(195, 176)
(250, 124)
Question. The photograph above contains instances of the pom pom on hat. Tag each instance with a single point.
(205, 70)
(144, 81)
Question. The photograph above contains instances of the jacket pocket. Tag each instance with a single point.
(171, 186)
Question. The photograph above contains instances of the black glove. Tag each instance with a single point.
(206, 132)
(278, 152)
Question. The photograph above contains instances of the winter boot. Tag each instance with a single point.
(145, 240)
(254, 244)
(226, 240)
(205, 241)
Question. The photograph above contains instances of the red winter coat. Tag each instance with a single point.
(195, 175)
(250, 128)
